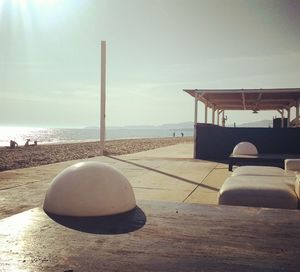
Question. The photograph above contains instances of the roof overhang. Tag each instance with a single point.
(247, 99)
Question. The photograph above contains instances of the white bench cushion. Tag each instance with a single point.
(292, 164)
(259, 191)
(258, 171)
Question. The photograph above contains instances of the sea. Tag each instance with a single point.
(73, 135)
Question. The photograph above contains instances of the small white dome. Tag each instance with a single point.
(89, 189)
(245, 148)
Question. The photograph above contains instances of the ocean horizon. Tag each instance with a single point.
(71, 135)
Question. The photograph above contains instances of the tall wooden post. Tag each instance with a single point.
(102, 97)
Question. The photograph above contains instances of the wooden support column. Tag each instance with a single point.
(223, 118)
(297, 113)
(195, 123)
(282, 118)
(280, 111)
(213, 115)
(205, 113)
(288, 116)
(218, 117)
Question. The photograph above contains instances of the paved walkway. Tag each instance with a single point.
(165, 174)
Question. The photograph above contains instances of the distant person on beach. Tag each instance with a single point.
(182, 134)
(13, 144)
(173, 134)
(34, 143)
(27, 142)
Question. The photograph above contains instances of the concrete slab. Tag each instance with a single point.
(156, 236)
(167, 174)
(208, 190)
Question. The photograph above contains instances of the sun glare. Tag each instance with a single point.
(26, 15)
(34, 2)
(24, 4)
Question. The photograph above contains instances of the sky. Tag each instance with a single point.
(50, 57)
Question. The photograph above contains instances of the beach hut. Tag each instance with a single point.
(216, 141)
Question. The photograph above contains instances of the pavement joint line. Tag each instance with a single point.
(200, 184)
(168, 174)
(149, 188)
(13, 187)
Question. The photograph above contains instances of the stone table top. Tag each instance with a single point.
(156, 236)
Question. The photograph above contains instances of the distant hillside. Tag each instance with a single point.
(262, 123)
(189, 125)
(171, 126)
(184, 125)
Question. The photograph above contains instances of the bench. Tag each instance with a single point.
(260, 159)
(263, 186)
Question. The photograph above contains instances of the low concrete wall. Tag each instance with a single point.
(214, 142)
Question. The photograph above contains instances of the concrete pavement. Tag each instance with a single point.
(164, 174)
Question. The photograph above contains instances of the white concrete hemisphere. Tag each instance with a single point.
(89, 189)
(245, 148)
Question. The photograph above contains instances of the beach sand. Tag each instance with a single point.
(22, 157)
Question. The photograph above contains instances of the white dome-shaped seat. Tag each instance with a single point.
(89, 189)
(245, 148)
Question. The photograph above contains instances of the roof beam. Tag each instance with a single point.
(271, 100)
(274, 90)
(259, 97)
(244, 101)
(257, 101)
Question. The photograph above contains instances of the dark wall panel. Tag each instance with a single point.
(214, 142)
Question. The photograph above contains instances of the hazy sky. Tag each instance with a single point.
(50, 57)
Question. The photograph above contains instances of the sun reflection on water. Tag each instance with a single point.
(19, 134)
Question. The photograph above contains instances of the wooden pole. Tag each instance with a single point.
(102, 97)
(297, 114)
(282, 118)
(205, 113)
(195, 123)
(223, 118)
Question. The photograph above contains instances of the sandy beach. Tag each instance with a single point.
(22, 157)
